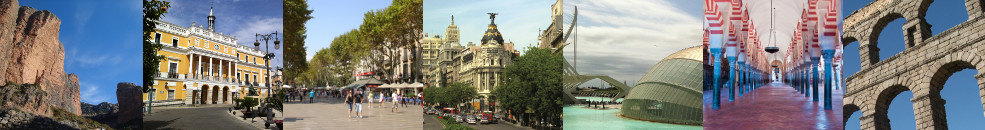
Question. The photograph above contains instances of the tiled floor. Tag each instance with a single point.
(775, 106)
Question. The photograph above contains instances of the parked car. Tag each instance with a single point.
(472, 120)
(431, 111)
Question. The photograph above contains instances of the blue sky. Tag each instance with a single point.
(88, 30)
(241, 19)
(964, 110)
(624, 38)
(518, 20)
(332, 18)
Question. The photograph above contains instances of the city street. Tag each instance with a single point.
(209, 117)
(331, 113)
(432, 123)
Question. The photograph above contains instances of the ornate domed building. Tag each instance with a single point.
(670, 91)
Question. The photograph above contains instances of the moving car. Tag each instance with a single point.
(472, 119)
(459, 118)
(484, 119)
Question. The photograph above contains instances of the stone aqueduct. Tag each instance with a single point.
(923, 67)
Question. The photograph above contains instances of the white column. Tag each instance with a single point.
(190, 68)
(220, 69)
(210, 68)
(198, 69)
(229, 72)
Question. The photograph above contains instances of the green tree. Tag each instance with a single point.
(432, 95)
(153, 10)
(450, 95)
(296, 14)
(387, 30)
(533, 82)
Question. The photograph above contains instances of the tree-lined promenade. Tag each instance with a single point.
(374, 44)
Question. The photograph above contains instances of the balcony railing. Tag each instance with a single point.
(173, 75)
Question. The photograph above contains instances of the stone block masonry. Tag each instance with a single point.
(923, 67)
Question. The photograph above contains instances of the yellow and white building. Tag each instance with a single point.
(202, 66)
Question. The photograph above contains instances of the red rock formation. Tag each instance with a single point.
(31, 53)
(129, 96)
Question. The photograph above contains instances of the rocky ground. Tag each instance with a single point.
(21, 95)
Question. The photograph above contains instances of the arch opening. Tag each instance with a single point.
(205, 94)
(956, 85)
(852, 113)
(894, 103)
(851, 58)
(945, 14)
(215, 94)
(887, 39)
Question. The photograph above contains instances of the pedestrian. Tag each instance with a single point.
(403, 100)
(348, 103)
(381, 99)
(358, 97)
(370, 100)
(395, 100)
(311, 95)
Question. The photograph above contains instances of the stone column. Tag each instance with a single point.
(731, 78)
(928, 109)
(816, 76)
(915, 31)
(828, 54)
(806, 79)
(716, 53)
(207, 94)
(188, 96)
(869, 53)
(873, 121)
(981, 86)
(739, 77)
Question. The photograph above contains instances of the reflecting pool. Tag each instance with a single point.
(578, 117)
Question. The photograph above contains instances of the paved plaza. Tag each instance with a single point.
(206, 117)
(331, 113)
(774, 106)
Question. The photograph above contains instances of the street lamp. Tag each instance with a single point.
(266, 40)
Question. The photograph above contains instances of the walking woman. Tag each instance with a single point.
(348, 103)
(381, 99)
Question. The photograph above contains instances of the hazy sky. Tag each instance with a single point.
(625, 38)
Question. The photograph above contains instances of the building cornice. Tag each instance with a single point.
(205, 34)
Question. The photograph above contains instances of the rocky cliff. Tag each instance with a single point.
(30, 53)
